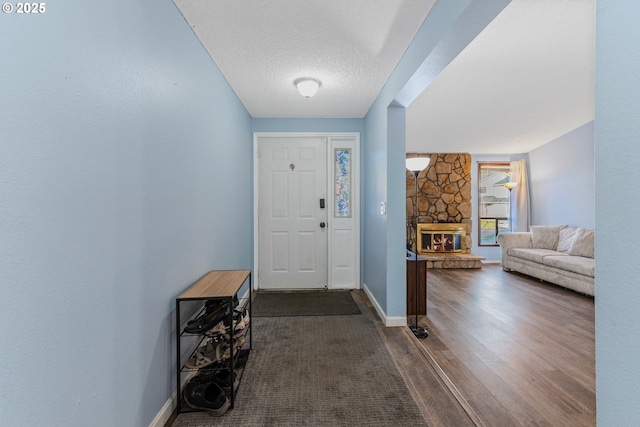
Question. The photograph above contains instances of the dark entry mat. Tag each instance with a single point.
(304, 303)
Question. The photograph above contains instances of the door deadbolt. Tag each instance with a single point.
(322, 225)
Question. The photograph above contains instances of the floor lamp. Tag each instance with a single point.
(510, 186)
(415, 165)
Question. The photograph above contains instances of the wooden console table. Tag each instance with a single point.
(215, 285)
(411, 284)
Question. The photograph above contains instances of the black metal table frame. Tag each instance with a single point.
(232, 360)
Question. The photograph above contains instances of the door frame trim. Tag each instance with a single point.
(355, 194)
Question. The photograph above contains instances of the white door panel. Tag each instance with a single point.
(292, 245)
(344, 271)
(292, 251)
(342, 248)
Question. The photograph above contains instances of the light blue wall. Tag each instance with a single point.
(454, 23)
(562, 180)
(384, 178)
(561, 183)
(397, 213)
(617, 132)
(123, 179)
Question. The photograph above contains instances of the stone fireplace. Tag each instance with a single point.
(444, 195)
(443, 231)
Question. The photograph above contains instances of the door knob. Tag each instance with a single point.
(322, 225)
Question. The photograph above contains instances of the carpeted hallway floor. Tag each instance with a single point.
(331, 370)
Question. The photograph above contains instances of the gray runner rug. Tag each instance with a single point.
(317, 371)
(303, 303)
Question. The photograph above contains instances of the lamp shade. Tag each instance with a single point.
(416, 164)
(307, 86)
(510, 185)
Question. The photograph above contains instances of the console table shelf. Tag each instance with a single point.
(221, 285)
(216, 284)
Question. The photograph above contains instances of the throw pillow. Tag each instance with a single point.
(583, 243)
(545, 236)
(565, 239)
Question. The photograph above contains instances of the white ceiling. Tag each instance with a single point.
(262, 46)
(527, 79)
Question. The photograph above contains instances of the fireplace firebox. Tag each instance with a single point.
(441, 238)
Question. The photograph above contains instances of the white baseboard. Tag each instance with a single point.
(387, 321)
(165, 412)
(169, 406)
(245, 296)
(343, 287)
(396, 321)
(374, 301)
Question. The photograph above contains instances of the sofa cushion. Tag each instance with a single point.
(545, 236)
(535, 255)
(565, 238)
(583, 243)
(576, 264)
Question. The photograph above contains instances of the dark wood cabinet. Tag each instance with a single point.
(421, 264)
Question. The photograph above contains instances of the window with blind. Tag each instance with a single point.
(493, 199)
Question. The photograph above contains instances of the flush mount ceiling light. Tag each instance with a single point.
(307, 86)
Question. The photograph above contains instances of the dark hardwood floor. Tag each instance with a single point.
(504, 350)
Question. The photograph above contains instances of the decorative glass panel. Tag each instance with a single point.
(342, 183)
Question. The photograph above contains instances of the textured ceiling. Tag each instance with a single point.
(261, 47)
(525, 80)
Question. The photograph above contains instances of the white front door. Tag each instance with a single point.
(292, 220)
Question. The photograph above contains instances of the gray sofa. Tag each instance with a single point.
(557, 254)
